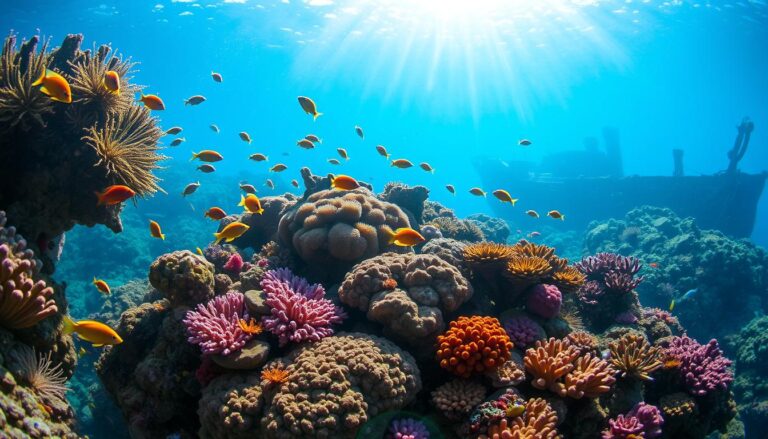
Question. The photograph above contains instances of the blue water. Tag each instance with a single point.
(444, 82)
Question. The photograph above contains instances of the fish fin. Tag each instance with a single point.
(69, 325)
(242, 200)
(194, 156)
(260, 211)
(218, 238)
(162, 236)
(562, 217)
(100, 197)
(229, 239)
(316, 115)
(97, 345)
(514, 200)
(40, 79)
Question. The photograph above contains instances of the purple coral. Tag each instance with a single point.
(614, 272)
(407, 428)
(644, 420)
(522, 330)
(299, 310)
(703, 367)
(590, 293)
(544, 300)
(23, 302)
(215, 325)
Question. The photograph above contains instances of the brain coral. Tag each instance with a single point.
(183, 277)
(334, 386)
(426, 287)
(340, 226)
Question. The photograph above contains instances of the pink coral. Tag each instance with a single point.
(215, 326)
(234, 264)
(643, 421)
(407, 428)
(299, 310)
(703, 367)
(23, 302)
(544, 300)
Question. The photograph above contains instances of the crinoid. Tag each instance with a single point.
(126, 146)
(20, 102)
(95, 101)
(45, 378)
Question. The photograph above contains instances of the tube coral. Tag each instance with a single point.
(473, 345)
(215, 326)
(590, 377)
(484, 256)
(703, 367)
(23, 302)
(47, 379)
(633, 356)
(549, 361)
(299, 310)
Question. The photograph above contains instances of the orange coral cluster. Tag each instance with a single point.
(538, 421)
(558, 366)
(632, 355)
(473, 345)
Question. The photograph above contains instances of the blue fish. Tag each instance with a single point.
(689, 294)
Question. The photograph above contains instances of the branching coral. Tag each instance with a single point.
(590, 377)
(126, 146)
(215, 326)
(615, 272)
(456, 399)
(20, 102)
(473, 345)
(23, 302)
(299, 311)
(703, 368)
(633, 356)
(538, 420)
(527, 270)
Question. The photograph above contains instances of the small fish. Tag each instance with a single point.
(305, 143)
(278, 168)
(206, 168)
(214, 128)
(672, 305)
(245, 137)
(251, 203)
(342, 153)
(532, 213)
(215, 213)
(190, 189)
(112, 81)
(55, 86)
(672, 363)
(153, 102)
(216, 76)
(382, 151)
(258, 157)
(334, 162)
(207, 155)
(689, 294)
(97, 333)
(231, 232)
(477, 191)
(194, 100)
(556, 215)
(174, 130)
(654, 264)
(313, 138)
(524, 142)
(247, 188)
(309, 107)
(427, 167)
(81, 352)
(451, 189)
(359, 131)
(199, 251)
(515, 409)
(344, 183)
(405, 237)
(102, 286)
(534, 234)
(504, 196)
(401, 163)
(269, 183)
(114, 194)
(294, 183)
(154, 230)
(178, 141)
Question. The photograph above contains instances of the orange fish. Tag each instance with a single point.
(451, 189)
(153, 102)
(95, 332)
(154, 230)
(556, 215)
(114, 194)
(654, 264)
(344, 183)
(101, 286)
(231, 232)
(401, 163)
(251, 203)
(215, 213)
(55, 86)
(309, 107)
(207, 155)
(112, 81)
(504, 196)
(405, 237)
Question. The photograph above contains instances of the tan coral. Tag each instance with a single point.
(456, 399)
(633, 356)
(230, 407)
(590, 377)
(548, 362)
(584, 341)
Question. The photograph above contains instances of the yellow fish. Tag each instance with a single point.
(309, 107)
(112, 81)
(504, 196)
(55, 86)
(199, 251)
(672, 305)
(92, 331)
(405, 237)
(231, 232)
(81, 351)
(154, 230)
(102, 286)
(251, 203)
(278, 168)
(342, 153)
(477, 191)
(401, 163)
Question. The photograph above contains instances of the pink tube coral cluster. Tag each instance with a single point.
(299, 310)
(215, 325)
(23, 302)
(702, 367)
(643, 421)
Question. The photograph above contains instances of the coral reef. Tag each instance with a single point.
(216, 326)
(456, 399)
(409, 199)
(407, 428)
(751, 367)
(494, 229)
(23, 302)
(632, 356)
(425, 287)
(473, 345)
(262, 227)
(458, 229)
(642, 421)
(703, 367)
(183, 277)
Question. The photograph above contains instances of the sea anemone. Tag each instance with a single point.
(215, 326)
(45, 378)
(20, 102)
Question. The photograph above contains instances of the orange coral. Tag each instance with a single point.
(389, 284)
(591, 377)
(250, 327)
(538, 421)
(488, 254)
(527, 270)
(632, 355)
(569, 279)
(473, 345)
(549, 362)
(524, 248)
(275, 375)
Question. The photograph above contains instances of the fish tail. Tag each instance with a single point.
(100, 196)
(162, 236)
(316, 115)
(194, 156)
(513, 201)
(218, 238)
(562, 217)
(260, 211)
(69, 325)
(242, 200)
(41, 78)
